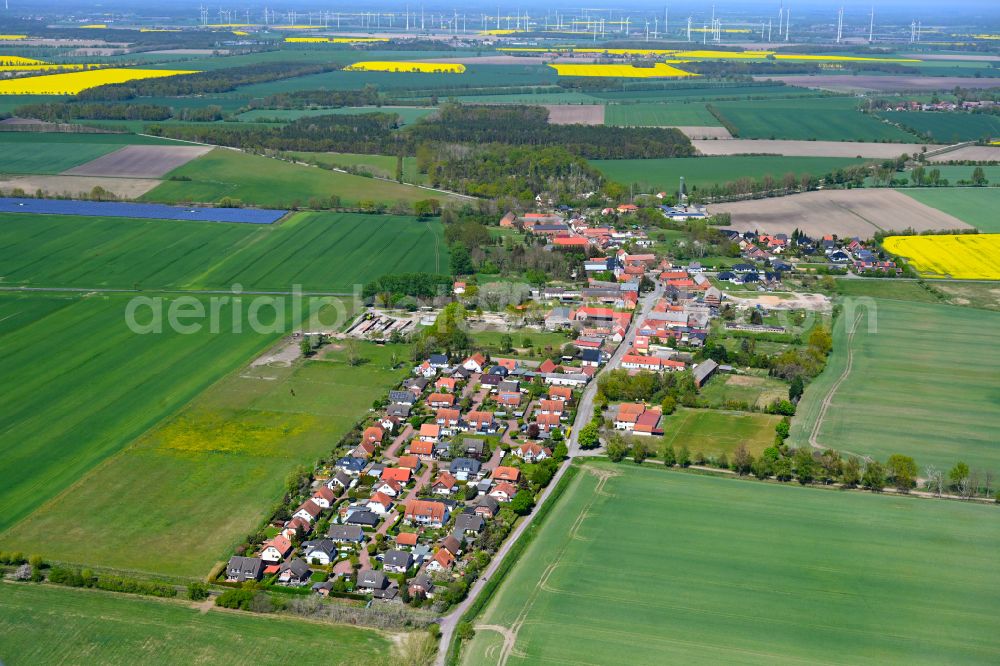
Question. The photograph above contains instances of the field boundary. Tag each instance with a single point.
(511, 559)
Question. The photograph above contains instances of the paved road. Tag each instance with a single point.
(584, 413)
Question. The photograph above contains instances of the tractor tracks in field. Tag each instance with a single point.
(828, 398)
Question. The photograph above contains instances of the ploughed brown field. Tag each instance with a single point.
(846, 213)
(139, 161)
(575, 114)
(792, 148)
(848, 83)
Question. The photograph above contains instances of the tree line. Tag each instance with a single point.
(56, 112)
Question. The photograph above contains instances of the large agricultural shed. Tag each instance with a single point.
(143, 211)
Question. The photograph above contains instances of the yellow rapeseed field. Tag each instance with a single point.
(402, 66)
(74, 82)
(966, 256)
(12, 38)
(18, 60)
(95, 26)
(335, 40)
(621, 71)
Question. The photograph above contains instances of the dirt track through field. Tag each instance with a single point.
(790, 148)
(828, 398)
(847, 213)
(575, 114)
(139, 161)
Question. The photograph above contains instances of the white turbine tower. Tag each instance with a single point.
(871, 27)
(840, 24)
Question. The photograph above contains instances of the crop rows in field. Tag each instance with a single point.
(659, 115)
(732, 573)
(945, 127)
(319, 251)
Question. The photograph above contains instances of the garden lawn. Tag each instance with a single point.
(975, 205)
(652, 567)
(821, 118)
(664, 173)
(271, 183)
(51, 625)
(78, 386)
(713, 432)
(186, 493)
(754, 391)
(924, 383)
(659, 115)
(328, 252)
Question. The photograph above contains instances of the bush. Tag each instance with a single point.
(241, 599)
(197, 591)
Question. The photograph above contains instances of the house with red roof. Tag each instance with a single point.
(409, 462)
(426, 512)
(505, 473)
(531, 452)
(309, 511)
(429, 432)
(442, 560)
(547, 422)
(503, 492)
(398, 474)
(634, 361)
(560, 393)
(323, 497)
(475, 363)
(373, 434)
(408, 539)
(422, 449)
(551, 406)
(446, 384)
(388, 487)
(441, 400)
(380, 503)
(447, 420)
(480, 421)
(276, 550)
(445, 484)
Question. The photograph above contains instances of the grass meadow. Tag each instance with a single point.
(189, 490)
(821, 118)
(974, 205)
(745, 572)
(379, 165)
(78, 386)
(925, 385)
(698, 172)
(271, 183)
(754, 390)
(328, 252)
(656, 115)
(50, 625)
(713, 432)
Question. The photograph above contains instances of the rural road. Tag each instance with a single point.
(584, 412)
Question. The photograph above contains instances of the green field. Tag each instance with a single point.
(329, 252)
(713, 432)
(664, 173)
(745, 572)
(823, 118)
(379, 165)
(51, 625)
(755, 391)
(55, 152)
(78, 385)
(408, 114)
(220, 463)
(924, 384)
(898, 290)
(976, 206)
(653, 115)
(945, 127)
(700, 91)
(261, 181)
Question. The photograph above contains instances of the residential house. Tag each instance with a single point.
(320, 551)
(509, 386)
(402, 398)
(437, 400)
(295, 572)
(350, 465)
(469, 523)
(475, 363)
(362, 518)
(566, 379)
(241, 569)
(627, 414)
(473, 448)
(509, 400)
(558, 318)
(424, 450)
(309, 511)
(438, 361)
(371, 580)
(503, 492)
(480, 421)
(430, 432)
(364, 450)
(560, 393)
(346, 534)
(547, 422)
(465, 469)
(551, 406)
(380, 504)
(421, 586)
(426, 512)
(453, 544)
(648, 423)
(591, 357)
(407, 539)
(703, 371)
(323, 497)
(276, 550)
(399, 411)
(397, 561)
(486, 506)
(388, 487)
(445, 484)
(650, 363)
(446, 384)
(397, 474)
(530, 452)
(411, 463)
(448, 420)
(442, 561)
(504, 473)
(416, 385)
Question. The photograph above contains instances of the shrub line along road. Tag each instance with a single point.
(584, 412)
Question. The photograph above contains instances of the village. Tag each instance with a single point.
(420, 499)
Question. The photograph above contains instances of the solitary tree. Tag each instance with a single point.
(874, 477)
(850, 475)
(742, 460)
(617, 448)
(902, 472)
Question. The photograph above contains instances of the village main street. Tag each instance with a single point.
(584, 413)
